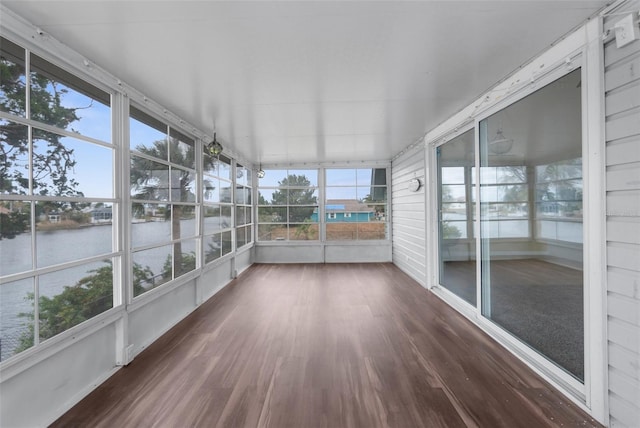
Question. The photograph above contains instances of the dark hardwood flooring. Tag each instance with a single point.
(343, 345)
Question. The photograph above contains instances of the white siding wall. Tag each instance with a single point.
(409, 234)
(622, 110)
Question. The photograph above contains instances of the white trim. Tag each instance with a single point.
(593, 153)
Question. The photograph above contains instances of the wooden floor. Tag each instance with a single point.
(358, 345)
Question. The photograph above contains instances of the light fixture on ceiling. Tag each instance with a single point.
(214, 148)
(260, 172)
(500, 144)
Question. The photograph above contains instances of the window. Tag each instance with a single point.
(357, 199)
(216, 194)
(163, 202)
(243, 206)
(288, 205)
(56, 203)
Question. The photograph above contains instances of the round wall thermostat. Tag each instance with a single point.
(414, 185)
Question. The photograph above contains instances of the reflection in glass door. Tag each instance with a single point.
(531, 221)
(456, 238)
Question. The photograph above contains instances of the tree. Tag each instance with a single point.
(90, 296)
(52, 161)
(296, 192)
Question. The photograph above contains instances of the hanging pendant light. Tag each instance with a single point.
(213, 148)
(500, 144)
(260, 172)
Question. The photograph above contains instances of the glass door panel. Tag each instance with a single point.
(531, 221)
(456, 241)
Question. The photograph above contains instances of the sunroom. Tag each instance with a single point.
(373, 184)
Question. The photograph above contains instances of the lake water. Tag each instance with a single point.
(60, 246)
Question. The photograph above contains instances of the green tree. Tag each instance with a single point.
(52, 161)
(90, 296)
(296, 192)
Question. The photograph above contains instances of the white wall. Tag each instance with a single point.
(622, 110)
(409, 234)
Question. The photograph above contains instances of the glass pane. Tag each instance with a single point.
(12, 78)
(14, 170)
(451, 174)
(183, 185)
(272, 214)
(151, 224)
(456, 255)
(187, 220)
(303, 214)
(240, 216)
(303, 232)
(241, 237)
(64, 235)
(181, 150)
(243, 195)
(187, 262)
(65, 166)
(16, 316)
(152, 268)
(309, 177)
(212, 247)
(340, 177)
(272, 177)
(302, 197)
(372, 194)
(211, 219)
(15, 239)
(63, 100)
(149, 180)
(71, 296)
(241, 175)
(341, 194)
(535, 291)
(147, 134)
(225, 192)
(225, 216)
(211, 189)
(272, 232)
(372, 230)
(342, 231)
(227, 244)
(224, 168)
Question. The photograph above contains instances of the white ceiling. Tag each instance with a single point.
(309, 81)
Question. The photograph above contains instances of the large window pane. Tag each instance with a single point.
(147, 134)
(70, 232)
(15, 245)
(151, 224)
(456, 252)
(71, 296)
(65, 166)
(534, 290)
(16, 317)
(149, 179)
(13, 81)
(153, 267)
(61, 99)
(14, 152)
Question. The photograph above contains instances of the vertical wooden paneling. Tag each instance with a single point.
(622, 111)
(408, 208)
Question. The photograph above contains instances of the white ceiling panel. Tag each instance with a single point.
(309, 81)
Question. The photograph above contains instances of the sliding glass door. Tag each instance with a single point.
(456, 160)
(530, 194)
